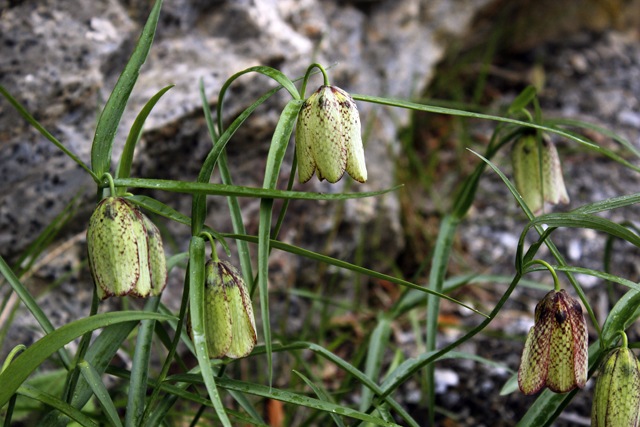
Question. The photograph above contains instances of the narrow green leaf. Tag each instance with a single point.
(321, 396)
(347, 266)
(112, 113)
(609, 204)
(277, 149)
(461, 113)
(126, 158)
(594, 273)
(100, 353)
(606, 132)
(33, 307)
(438, 271)
(378, 343)
(523, 99)
(44, 132)
(234, 190)
(196, 300)
(140, 366)
(28, 361)
(621, 316)
(284, 396)
(60, 405)
(95, 382)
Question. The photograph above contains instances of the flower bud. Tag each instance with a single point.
(328, 137)
(230, 327)
(555, 353)
(126, 256)
(525, 159)
(616, 401)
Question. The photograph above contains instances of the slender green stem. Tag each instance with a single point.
(74, 372)
(112, 187)
(556, 282)
(172, 350)
(214, 252)
(308, 73)
(12, 404)
(12, 354)
(625, 340)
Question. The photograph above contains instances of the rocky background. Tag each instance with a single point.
(61, 59)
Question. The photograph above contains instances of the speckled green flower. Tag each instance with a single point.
(555, 353)
(525, 158)
(126, 256)
(230, 327)
(616, 401)
(328, 137)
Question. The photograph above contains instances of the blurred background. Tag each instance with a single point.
(61, 59)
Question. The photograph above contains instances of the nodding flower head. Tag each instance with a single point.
(538, 185)
(616, 401)
(230, 327)
(555, 353)
(328, 137)
(126, 256)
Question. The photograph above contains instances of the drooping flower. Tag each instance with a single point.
(555, 353)
(525, 158)
(126, 255)
(328, 138)
(230, 327)
(616, 401)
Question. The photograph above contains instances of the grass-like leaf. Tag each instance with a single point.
(277, 149)
(33, 307)
(45, 133)
(284, 396)
(196, 304)
(523, 99)
(321, 396)
(378, 343)
(95, 382)
(60, 405)
(347, 266)
(126, 158)
(112, 113)
(28, 361)
(440, 110)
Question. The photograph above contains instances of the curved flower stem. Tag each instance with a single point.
(112, 187)
(556, 282)
(625, 340)
(308, 73)
(214, 252)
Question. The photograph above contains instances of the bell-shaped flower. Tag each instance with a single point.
(555, 353)
(126, 256)
(616, 401)
(328, 138)
(230, 327)
(535, 184)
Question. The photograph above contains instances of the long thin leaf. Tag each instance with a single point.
(140, 366)
(45, 133)
(112, 113)
(33, 307)
(321, 396)
(96, 384)
(461, 113)
(378, 343)
(284, 396)
(60, 405)
(279, 142)
(347, 266)
(28, 361)
(235, 190)
(126, 158)
(196, 303)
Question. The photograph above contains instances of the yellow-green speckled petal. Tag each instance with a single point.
(526, 171)
(217, 316)
(616, 400)
(113, 248)
(243, 324)
(304, 153)
(157, 260)
(326, 139)
(351, 133)
(554, 189)
(142, 289)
